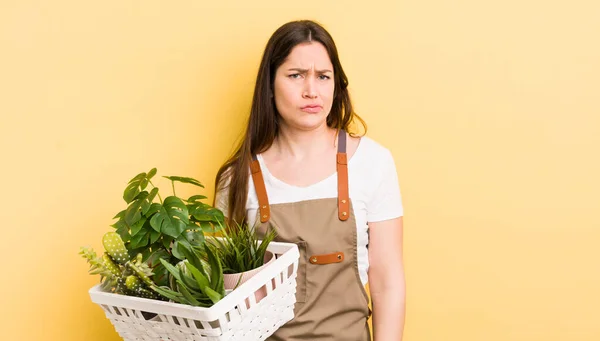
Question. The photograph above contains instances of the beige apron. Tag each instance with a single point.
(331, 302)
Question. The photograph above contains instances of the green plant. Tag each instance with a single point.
(239, 247)
(160, 229)
(191, 283)
(120, 274)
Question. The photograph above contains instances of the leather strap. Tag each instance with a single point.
(342, 175)
(261, 192)
(336, 257)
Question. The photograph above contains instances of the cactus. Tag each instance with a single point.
(111, 266)
(114, 246)
(118, 273)
(135, 286)
(193, 281)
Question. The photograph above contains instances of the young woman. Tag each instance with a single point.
(302, 170)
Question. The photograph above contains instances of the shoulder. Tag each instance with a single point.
(373, 152)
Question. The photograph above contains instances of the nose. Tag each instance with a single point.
(310, 90)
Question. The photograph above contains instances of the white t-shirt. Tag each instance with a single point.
(373, 186)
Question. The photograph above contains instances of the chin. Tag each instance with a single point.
(310, 123)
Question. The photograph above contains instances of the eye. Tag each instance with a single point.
(294, 76)
(324, 77)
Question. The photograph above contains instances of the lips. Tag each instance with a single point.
(313, 108)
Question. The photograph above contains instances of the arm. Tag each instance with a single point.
(386, 279)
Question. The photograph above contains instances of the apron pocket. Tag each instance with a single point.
(301, 275)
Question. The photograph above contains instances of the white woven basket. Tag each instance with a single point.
(236, 317)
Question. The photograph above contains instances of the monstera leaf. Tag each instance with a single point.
(172, 218)
(185, 180)
(137, 184)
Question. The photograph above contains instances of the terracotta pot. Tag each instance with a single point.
(231, 280)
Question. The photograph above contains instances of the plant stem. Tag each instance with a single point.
(173, 185)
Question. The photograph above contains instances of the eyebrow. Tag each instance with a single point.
(306, 70)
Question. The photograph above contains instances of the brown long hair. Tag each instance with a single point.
(263, 124)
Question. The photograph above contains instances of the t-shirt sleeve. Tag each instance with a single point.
(386, 201)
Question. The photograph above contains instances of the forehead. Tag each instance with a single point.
(308, 55)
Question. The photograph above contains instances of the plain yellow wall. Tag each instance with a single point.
(490, 109)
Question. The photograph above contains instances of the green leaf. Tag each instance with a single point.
(182, 242)
(143, 183)
(199, 277)
(119, 215)
(183, 289)
(204, 212)
(119, 224)
(137, 226)
(161, 275)
(140, 240)
(167, 241)
(154, 236)
(155, 257)
(151, 174)
(146, 254)
(172, 218)
(171, 269)
(176, 250)
(137, 178)
(185, 180)
(216, 275)
(123, 232)
(130, 192)
(213, 295)
(154, 208)
(133, 212)
(195, 198)
(133, 188)
(191, 284)
(193, 259)
(141, 195)
(209, 227)
(194, 237)
(170, 294)
(148, 204)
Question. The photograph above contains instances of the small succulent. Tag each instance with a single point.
(239, 247)
(191, 282)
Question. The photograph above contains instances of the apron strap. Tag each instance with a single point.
(342, 175)
(261, 192)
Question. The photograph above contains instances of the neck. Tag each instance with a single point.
(300, 144)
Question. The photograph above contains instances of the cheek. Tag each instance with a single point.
(327, 94)
(284, 96)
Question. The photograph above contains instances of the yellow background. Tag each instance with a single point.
(490, 109)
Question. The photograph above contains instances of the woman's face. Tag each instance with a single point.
(304, 87)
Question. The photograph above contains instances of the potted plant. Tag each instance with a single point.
(159, 253)
(241, 253)
(156, 249)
